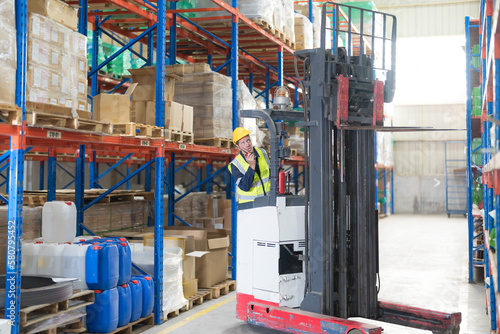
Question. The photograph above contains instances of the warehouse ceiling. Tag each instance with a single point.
(429, 17)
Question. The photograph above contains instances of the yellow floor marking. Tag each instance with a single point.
(197, 315)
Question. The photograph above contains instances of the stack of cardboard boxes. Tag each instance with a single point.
(205, 255)
(303, 29)
(57, 57)
(138, 104)
(210, 256)
(210, 95)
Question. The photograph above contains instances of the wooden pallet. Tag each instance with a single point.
(222, 288)
(179, 136)
(59, 118)
(38, 198)
(198, 299)
(47, 120)
(137, 130)
(293, 152)
(37, 313)
(89, 125)
(136, 327)
(216, 142)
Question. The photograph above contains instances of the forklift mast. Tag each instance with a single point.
(344, 89)
(311, 275)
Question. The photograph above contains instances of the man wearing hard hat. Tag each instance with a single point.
(250, 168)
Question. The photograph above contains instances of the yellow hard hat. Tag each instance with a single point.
(239, 133)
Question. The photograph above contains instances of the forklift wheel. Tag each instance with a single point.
(448, 215)
(355, 331)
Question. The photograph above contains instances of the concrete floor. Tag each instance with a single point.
(423, 262)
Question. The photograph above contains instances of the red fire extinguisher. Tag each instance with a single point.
(282, 181)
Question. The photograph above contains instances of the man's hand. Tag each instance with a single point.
(251, 160)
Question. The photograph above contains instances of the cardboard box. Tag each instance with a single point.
(144, 93)
(187, 118)
(211, 253)
(173, 116)
(8, 86)
(190, 288)
(147, 76)
(184, 242)
(188, 268)
(55, 10)
(138, 111)
(150, 117)
(113, 108)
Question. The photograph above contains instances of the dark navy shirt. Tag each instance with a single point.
(245, 181)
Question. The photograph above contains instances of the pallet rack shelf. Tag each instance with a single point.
(22, 139)
(229, 47)
(484, 32)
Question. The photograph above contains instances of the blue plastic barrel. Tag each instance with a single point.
(124, 256)
(102, 316)
(148, 294)
(101, 266)
(124, 304)
(136, 287)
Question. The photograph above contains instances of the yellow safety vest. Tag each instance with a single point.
(260, 186)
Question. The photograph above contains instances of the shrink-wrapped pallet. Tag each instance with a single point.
(247, 102)
(304, 10)
(117, 216)
(288, 19)
(8, 56)
(173, 296)
(278, 16)
(261, 11)
(57, 66)
(211, 97)
(303, 33)
(32, 220)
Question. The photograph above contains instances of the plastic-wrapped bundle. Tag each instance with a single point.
(173, 296)
(288, 19)
(278, 16)
(210, 96)
(199, 204)
(247, 102)
(261, 10)
(57, 69)
(303, 32)
(183, 209)
(257, 10)
(8, 56)
(304, 10)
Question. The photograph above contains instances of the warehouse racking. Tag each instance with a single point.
(229, 47)
(485, 73)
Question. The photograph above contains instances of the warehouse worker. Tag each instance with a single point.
(250, 169)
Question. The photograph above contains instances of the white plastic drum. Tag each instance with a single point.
(58, 221)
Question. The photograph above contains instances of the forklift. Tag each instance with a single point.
(306, 264)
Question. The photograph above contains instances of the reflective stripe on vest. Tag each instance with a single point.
(258, 186)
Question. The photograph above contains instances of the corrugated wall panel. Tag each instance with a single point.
(434, 116)
(429, 18)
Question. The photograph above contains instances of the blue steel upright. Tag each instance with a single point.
(16, 176)
(51, 178)
(234, 85)
(469, 146)
(160, 155)
(80, 189)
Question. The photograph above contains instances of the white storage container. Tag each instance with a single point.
(49, 259)
(73, 264)
(58, 221)
(30, 258)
